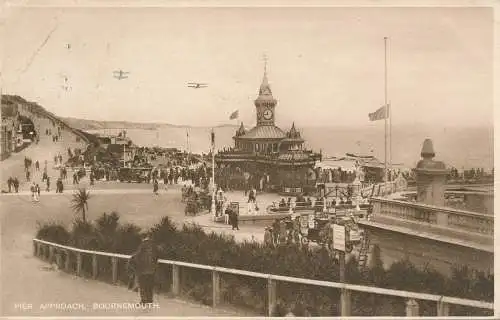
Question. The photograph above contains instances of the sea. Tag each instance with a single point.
(459, 147)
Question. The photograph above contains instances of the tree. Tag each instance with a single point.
(79, 203)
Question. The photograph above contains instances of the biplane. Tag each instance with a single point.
(120, 74)
(197, 85)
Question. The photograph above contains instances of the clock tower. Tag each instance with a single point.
(265, 103)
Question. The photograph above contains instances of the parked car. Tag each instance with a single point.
(134, 174)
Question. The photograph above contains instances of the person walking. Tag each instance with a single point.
(10, 183)
(60, 186)
(233, 219)
(48, 184)
(16, 184)
(144, 262)
(155, 187)
(33, 192)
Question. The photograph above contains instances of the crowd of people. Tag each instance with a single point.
(470, 174)
(30, 166)
(55, 136)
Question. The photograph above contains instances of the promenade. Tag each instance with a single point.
(28, 283)
(31, 287)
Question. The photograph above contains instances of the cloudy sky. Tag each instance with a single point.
(326, 65)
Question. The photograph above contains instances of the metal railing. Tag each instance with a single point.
(439, 216)
(48, 250)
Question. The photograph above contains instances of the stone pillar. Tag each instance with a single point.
(431, 177)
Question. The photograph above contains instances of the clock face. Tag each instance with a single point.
(268, 114)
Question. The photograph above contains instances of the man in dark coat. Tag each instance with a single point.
(144, 262)
(233, 218)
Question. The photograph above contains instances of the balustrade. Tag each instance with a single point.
(442, 217)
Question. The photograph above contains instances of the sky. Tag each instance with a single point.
(325, 65)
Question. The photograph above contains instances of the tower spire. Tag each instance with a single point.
(265, 64)
(265, 89)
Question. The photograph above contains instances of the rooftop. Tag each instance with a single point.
(264, 132)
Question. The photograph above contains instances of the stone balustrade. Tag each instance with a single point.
(437, 216)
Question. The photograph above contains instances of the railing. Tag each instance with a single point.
(249, 208)
(52, 253)
(438, 216)
(366, 189)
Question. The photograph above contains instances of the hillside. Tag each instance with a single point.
(85, 124)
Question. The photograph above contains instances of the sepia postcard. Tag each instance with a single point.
(180, 159)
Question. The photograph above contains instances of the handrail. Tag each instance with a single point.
(338, 285)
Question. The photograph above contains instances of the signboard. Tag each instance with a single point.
(354, 235)
(311, 221)
(338, 237)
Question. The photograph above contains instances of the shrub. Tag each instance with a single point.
(191, 244)
(53, 232)
(127, 239)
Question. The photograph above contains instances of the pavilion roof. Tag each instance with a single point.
(264, 132)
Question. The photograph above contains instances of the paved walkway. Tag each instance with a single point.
(45, 150)
(27, 282)
(42, 291)
(30, 287)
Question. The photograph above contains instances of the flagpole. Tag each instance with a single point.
(390, 125)
(187, 140)
(213, 173)
(390, 137)
(385, 118)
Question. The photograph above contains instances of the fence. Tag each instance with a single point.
(53, 253)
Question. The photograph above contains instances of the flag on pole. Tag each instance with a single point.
(234, 115)
(381, 113)
(212, 138)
